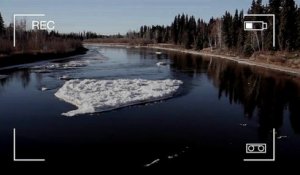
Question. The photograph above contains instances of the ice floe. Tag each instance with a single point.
(92, 95)
(74, 64)
(56, 66)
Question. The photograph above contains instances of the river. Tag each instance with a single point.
(220, 107)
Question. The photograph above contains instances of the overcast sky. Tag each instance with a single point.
(113, 16)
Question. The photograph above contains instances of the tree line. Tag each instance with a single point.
(31, 41)
(227, 32)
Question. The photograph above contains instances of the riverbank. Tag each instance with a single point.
(24, 58)
(239, 60)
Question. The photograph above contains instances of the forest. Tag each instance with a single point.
(227, 32)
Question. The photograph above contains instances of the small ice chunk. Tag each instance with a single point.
(243, 124)
(281, 137)
(161, 63)
(44, 89)
(179, 153)
(92, 95)
(172, 156)
(64, 77)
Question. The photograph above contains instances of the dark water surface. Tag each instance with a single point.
(221, 107)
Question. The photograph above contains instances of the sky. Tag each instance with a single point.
(117, 16)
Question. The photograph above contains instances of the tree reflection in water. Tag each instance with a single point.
(263, 93)
(21, 75)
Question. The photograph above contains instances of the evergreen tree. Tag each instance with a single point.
(2, 29)
(227, 30)
(174, 30)
(141, 32)
(158, 30)
(256, 7)
(191, 30)
(199, 43)
(241, 33)
(166, 34)
(298, 29)
(181, 28)
(287, 27)
(235, 29)
(272, 8)
(252, 7)
(199, 36)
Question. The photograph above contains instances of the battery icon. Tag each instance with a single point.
(255, 26)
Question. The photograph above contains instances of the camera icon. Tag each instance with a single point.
(256, 148)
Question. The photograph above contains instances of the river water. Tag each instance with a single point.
(220, 108)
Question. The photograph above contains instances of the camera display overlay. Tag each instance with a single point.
(149, 85)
